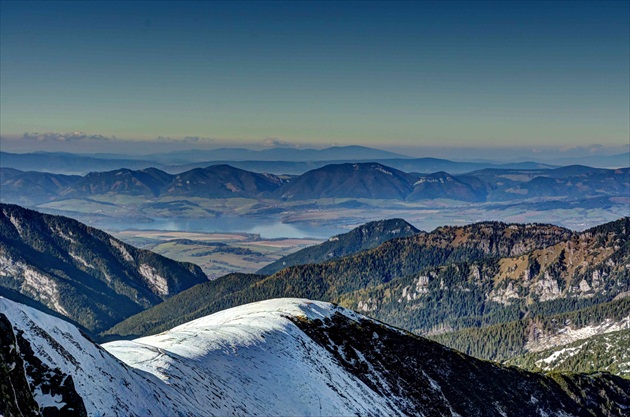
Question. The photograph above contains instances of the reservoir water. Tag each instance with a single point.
(266, 227)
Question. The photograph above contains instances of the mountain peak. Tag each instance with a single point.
(366, 236)
(81, 272)
(350, 180)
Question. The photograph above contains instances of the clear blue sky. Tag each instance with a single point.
(483, 74)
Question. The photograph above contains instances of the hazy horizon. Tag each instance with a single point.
(439, 79)
(460, 153)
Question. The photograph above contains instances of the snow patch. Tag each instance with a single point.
(383, 170)
(568, 351)
(47, 400)
(81, 260)
(568, 335)
(16, 223)
(33, 283)
(158, 283)
(122, 249)
(65, 236)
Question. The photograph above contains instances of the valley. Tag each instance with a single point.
(447, 279)
(217, 254)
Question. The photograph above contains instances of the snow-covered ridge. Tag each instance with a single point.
(248, 360)
(254, 360)
(106, 385)
(273, 311)
(283, 357)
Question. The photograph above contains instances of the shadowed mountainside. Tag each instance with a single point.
(81, 272)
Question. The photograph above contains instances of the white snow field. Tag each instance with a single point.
(248, 360)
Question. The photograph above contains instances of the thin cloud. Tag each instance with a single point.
(63, 137)
(197, 139)
(595, 148)
(591, 149)
(185, 139)
(275, 142)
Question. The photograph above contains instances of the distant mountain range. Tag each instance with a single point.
(357, 180)
(277, 357)
(71, 164)
(275, 160)
(333, 153)
(217, 181)
(601, 161)
(83, 273)
(402, 164)
(278, 161)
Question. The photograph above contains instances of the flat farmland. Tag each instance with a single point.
(216, 253)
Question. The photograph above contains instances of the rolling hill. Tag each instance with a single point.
(444, 185)
(360, 180)
(147, 182)
(33, 187)
(351, 180)
(221, 181)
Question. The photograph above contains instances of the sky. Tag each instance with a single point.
(417, 77)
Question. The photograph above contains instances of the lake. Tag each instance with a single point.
(266, 227)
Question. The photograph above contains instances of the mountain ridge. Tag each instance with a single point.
(81, 272)
(366, 236)
(368, 180)
(278, 357)
(392, 259)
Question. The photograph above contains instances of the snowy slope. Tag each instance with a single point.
(251, 360)
(569, 334)
(277, 357)
(608, 352)
(107, 386)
